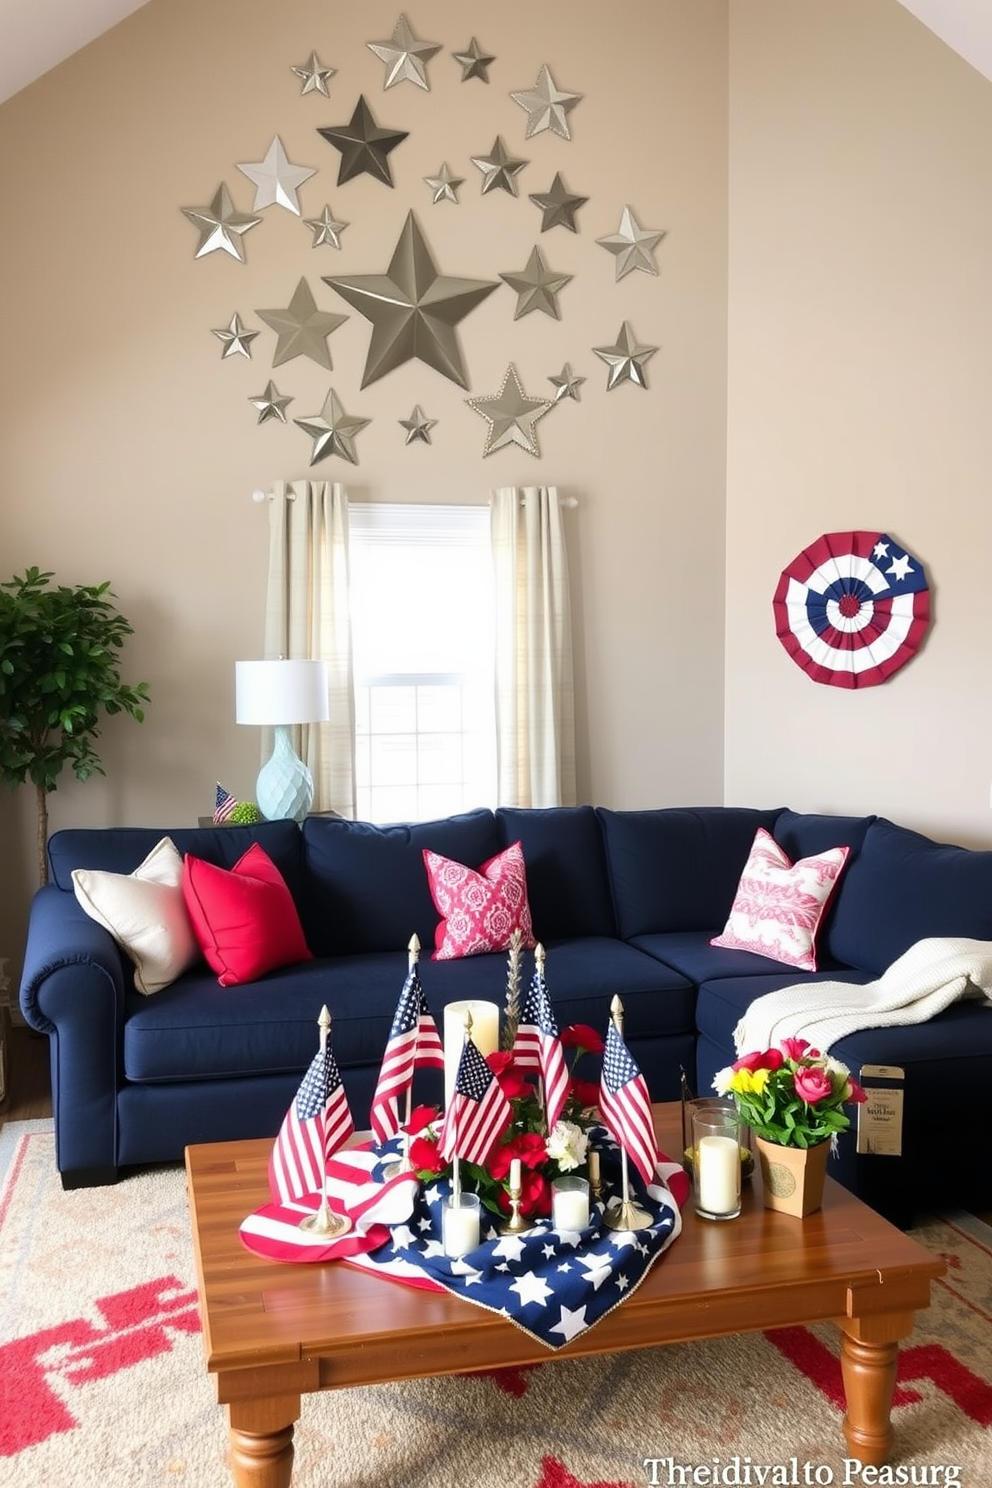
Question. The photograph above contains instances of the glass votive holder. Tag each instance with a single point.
(716, 1163)
(461, 1224)
(569, 1203)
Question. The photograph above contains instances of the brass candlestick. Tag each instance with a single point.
(516, 1221)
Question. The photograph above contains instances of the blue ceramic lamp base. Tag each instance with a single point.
(284, 789)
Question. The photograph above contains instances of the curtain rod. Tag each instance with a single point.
(259, 496)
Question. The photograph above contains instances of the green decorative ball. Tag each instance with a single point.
(244, 814)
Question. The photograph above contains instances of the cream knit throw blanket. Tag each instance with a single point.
(923, 981)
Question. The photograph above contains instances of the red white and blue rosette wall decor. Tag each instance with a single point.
(852, 608)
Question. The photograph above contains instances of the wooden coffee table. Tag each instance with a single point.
(273, 1333)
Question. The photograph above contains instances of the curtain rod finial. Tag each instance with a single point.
(258, 497)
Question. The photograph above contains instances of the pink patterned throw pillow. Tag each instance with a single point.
(779, 905)
(480, 909)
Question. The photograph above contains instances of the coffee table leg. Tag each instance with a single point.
(868, 1365)
(262, 1441)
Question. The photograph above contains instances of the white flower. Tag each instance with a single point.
(721, 1080)
(566, 1145)
(834, 1067)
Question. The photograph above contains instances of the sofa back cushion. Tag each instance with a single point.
(677, 868)
(567, 883)
(367, 885)
(122, 849)
(903, 887)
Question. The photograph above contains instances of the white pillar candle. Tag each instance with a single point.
(514, 1173)
(460, 1225)
(570, 1203)
(718, 1175)
(485, 1036)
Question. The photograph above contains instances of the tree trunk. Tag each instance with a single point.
(42, 838)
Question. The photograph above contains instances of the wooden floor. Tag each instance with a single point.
(31, 1088)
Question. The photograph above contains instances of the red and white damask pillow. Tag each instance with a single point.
(480, 908)
(779, 904)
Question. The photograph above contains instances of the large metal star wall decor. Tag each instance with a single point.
(364, 147)
(499, 168)
(475, 63)
(236, 341)
(632, 245)
(314, 76)
(221, 227)
(511, 416)
(537, 287)
(413, 308)
(276, 180)
(333, 431)
(625, 359)
(558, 205)
(326, 229)
(302, 329)
(405, 55)
(547, 106)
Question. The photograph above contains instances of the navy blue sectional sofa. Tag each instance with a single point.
(624, 901)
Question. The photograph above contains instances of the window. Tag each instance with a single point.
(421, 599)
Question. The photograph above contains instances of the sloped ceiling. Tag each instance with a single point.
(36, 35)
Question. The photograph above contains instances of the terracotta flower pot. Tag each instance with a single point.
(792, 1177)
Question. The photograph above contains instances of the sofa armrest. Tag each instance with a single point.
(73, 990)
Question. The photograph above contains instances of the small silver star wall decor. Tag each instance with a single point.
(364, 147)
(537, 287)
(547, 106)
(314, 76)
(625, 359)
(405, 55)
(271, 404)
(418, 426)
(332, 430)
(444, 186)
(326, 229)
(475, 63)
(302, 329)
(632, 246)
(566, 384)
(558, 205)
(221, 227)
(511, 416)
(276, 180)
(236, 341)
(499, 168)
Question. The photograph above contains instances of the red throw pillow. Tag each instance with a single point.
(244, 918)
(481, 909)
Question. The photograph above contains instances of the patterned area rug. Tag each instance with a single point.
(102, 1378)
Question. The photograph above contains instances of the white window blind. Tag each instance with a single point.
(421, 601)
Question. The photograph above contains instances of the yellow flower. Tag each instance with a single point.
(749, 1082)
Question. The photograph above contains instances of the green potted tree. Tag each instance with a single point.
(59, 673)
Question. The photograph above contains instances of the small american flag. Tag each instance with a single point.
(625, 1105)
(537, 1046)
(413, 1044)
(224, 805)
(317, 1123)
(477, 1113)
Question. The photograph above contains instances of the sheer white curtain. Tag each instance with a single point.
(535, 730)
(306, 615)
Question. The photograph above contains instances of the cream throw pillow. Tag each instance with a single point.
(146, 914)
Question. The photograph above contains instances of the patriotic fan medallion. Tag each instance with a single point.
(852, 608)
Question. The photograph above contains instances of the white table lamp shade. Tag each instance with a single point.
(281, 693)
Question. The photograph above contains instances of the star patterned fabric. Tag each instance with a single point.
(555, 1284)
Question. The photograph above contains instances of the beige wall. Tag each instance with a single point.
(128, 449)
(860, 389)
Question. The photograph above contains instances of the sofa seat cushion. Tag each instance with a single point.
(692, 953)
(677, 868)
(723, 1001)
(903, 887)
(368, 890)
(197, 1030)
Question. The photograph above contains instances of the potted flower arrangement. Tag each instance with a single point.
(543, 1155)
(793, 1098)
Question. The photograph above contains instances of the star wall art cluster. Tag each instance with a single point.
(413, 306)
